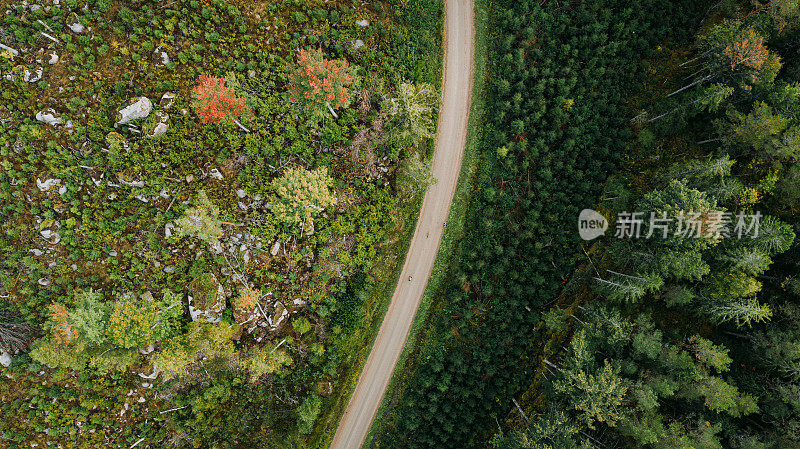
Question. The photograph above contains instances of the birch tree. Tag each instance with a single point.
(416, 174)
(267, 360)
(412, 114)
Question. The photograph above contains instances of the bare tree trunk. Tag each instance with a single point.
(701, 80)
(527, 420)
(9, 49)
(333, 113)
(50, 37)
(241, 126)
(709, 141)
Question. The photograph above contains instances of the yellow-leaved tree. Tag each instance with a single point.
(301, 195)
(268, 360)
(203, 340)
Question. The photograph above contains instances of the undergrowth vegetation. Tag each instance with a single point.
(194, 197)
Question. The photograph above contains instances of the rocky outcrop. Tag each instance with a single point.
(158, 126)
(138, 108)
(49, 116)
(167, 100)
(206, 299)
(74, 24)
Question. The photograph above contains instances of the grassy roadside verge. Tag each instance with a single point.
(455, 222)
(383, 278)
(360, 343)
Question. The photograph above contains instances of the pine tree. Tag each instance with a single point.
(757, 130)
(623, 287)
(554, 430)
(742, 312)
(711, 355)
(89, 316)
(596, 396)
(747, 260)
(307, 413)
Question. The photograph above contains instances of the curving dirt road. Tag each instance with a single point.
(446, 164)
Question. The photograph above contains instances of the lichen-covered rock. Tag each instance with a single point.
(5, 116)
(5, 358)
(53, 237)
(32, 76)
(47, 184)
(168, 230)
(160, 57)
(167, 100)
(49, 116)
(74, 24)
(158, 126)
(206, 299)
(278, 316)
(137, 109)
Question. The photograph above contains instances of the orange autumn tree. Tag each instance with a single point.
(318, 84)
(63, 331)
(747, 50)
(729, 56)
(744, 56)
(214, 101)
(73, 332)
(245, 305)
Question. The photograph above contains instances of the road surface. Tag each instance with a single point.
(450, 140)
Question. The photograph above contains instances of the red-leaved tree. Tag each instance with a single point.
(215, 102)
(318, 84)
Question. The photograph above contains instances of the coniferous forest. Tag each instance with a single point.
(205, 206)
(543, 340)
